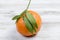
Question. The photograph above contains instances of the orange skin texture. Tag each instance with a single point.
(21, 28)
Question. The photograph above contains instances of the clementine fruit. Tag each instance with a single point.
(28, 22)
(21, 27)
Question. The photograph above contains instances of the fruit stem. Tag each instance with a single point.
(28, 4)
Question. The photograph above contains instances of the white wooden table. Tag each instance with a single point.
(48, 9)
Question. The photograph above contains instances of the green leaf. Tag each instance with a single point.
(31, 19)
(21, 15)
(23, 12)
(28, 25)
(33, 28)
(15, 17)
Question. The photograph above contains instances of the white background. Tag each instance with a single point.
(49, 11)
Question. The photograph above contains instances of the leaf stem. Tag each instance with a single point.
(28, 4)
